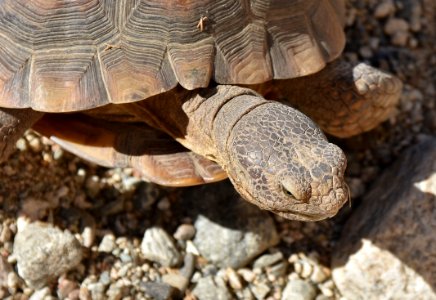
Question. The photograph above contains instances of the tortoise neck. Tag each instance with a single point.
(201, 120)
(212, 113)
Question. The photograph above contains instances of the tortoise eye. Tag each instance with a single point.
(287, 192)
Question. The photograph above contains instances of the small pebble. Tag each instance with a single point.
(319, 274)
(328, 292)
(12, 280)
(267, 260)
(107, 244)
(398, 30)
(158, 246)
(245, 294)
(5, 270)
(65, 287)
(9, 171)
(260, 290)
(185, 232)
(277, 270)
(400, 38)
(93, 186)
(88, 236)
(299, 290)
(125, 256)
(115, 291)
(164, 204)
(233, 278)
(41, 294)
(384, 9)
(35, 144)
(105, 278)
(247, 274)
(395, 25)
(211, 288)
(190, 248)
(97, 290)
(21, 144)
(306, 270)
(176, 280)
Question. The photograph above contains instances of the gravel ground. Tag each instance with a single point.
(116, 217)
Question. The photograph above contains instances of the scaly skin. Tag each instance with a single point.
(343, 99)
(281, 161)
(276, 157)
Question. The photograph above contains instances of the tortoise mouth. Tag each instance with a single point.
(299, 216)
(324, 199)
(306, 217)
(315, 209)
(313, 212)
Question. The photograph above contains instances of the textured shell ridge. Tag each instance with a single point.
(63, 56)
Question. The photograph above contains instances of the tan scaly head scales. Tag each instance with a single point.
(281, 161)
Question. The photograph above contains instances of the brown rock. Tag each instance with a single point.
(388, 247)
(384, 9)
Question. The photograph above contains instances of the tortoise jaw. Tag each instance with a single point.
(292, 209)
(299, 216)
(316, 213)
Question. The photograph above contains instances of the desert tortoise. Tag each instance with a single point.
(118, 82)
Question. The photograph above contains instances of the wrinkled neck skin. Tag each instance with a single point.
(275, 156)
(212, 117)
(200, 120)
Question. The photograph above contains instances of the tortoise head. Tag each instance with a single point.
(281, 161)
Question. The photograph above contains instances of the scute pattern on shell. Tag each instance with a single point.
(59, 56)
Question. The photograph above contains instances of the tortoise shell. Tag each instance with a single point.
(63, 56)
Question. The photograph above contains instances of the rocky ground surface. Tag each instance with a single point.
(121, 238)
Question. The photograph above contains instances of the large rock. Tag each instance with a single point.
(44, 252)
(230, 232)
(388, 247)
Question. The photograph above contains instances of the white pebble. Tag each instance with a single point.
(233, 278)
(247, 274)
(107, 244)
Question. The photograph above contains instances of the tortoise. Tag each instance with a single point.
(177, 90)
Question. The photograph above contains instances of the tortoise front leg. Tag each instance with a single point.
(13, 123)
(344, 100)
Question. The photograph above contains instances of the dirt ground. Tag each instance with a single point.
(43, 182)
